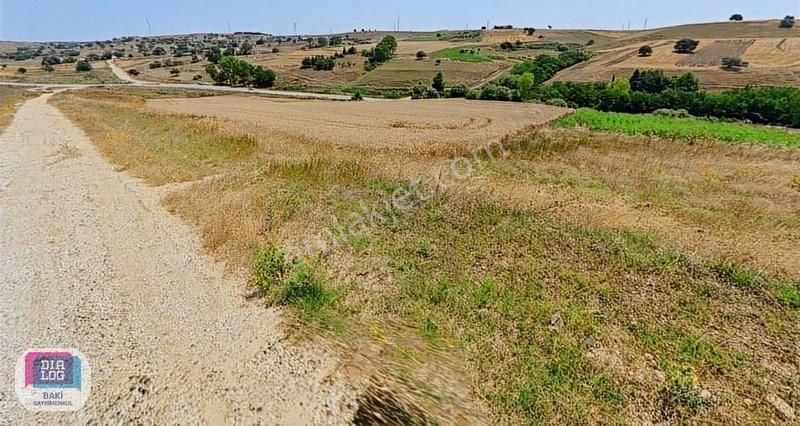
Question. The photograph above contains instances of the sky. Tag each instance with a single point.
(79, 20)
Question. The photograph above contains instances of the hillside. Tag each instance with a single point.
(773, 55)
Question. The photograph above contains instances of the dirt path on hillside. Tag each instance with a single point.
(90, 260)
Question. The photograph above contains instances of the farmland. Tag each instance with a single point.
(681, 128)
(580, 277)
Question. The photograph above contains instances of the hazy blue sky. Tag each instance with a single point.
(102, 19)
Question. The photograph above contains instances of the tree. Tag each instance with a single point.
(48, 68)
(438, 82)
(263, 77)
(650, 81)
(83, 66)
(421, 55)
(686, 83)
(175, 72)
(787, 22)
(686, 45)
(525, 83)
(737, 17)
(159, 51)
(734, 63)
(214, 55)
(246, 49)
(645, 51)
(133, 71)
(22, 70)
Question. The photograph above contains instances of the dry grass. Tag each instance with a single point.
(63, 74)
(10, 99)
(585, 279)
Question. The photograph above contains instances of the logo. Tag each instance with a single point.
(53, 380)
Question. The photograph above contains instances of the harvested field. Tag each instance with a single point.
(405, 73)
(712, 55)
(408, 126)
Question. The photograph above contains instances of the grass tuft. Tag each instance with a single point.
(789, 295)
(286, 283)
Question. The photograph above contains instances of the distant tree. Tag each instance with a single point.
(352, 50)
(335, 41)
(686, 45)
(214, 55)
(438, 82)
(263, 77)
(83, 66)
(645, 51)
(133, 71)
(590, 42)
(48, 68)
(175, 72)
(525, 83)
(787, 22)
(322, 42)
(686, 83)
(530, 31)
(22, 70)
(197, 77)
(421, 54)
(159, 51)
(246, 49)
(734, 63)
(275, 50)
(737, 17)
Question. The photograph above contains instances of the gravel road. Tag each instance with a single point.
(89, 259)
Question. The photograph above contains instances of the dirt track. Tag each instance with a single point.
(89, 259)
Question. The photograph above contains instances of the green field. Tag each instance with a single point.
(461, 54)
(680, 128)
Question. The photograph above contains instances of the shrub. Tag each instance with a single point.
(421, 55)
(154, 65)
(557, 102)
(458, 91)
(734, 63)
(674, 113)
(263, 77)
(357, 96)
(134, 72)
(737, 17)
(645, 51)
(175, 72)
(83, 66)
(686, 45)
(197, 77)
(393, 94)
(275, 50)
(473, 94)
(787, 22)
(268, 270)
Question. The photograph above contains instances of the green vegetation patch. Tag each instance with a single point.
(680, 128)
(461, 54)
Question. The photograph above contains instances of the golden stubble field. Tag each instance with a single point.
(425, 127)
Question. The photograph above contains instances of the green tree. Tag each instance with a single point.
(525, 83)
(737, 17)
(83, 66)
(787, 22)
(645, 51)
(686, 45)
(686, 83)
(438, 82)
(263, 77)
(214, 55)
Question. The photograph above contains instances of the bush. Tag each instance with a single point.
(458, 91)
(787, 22)
(22, 70)
(275, 50)
(48, 68)
(197, 77)
(557, 102)
(263, 77)
(734, 63)
(737, 17)
(393, 94)
(83, 66)
(645, 51)
(154, 65)
(686, 45)
(421, 55)
(357, 96)
(134, 72)
(674, 113)
(473, 94)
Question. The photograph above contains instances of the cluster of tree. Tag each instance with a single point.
(544, 67)
(530, 31)
(381, 53)
(319, 63)
(507, 45)
(655, 81)
(504, 27)
(787, 22)
(438, 89)
(768, 105)
(352, 50)
(233, 71)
